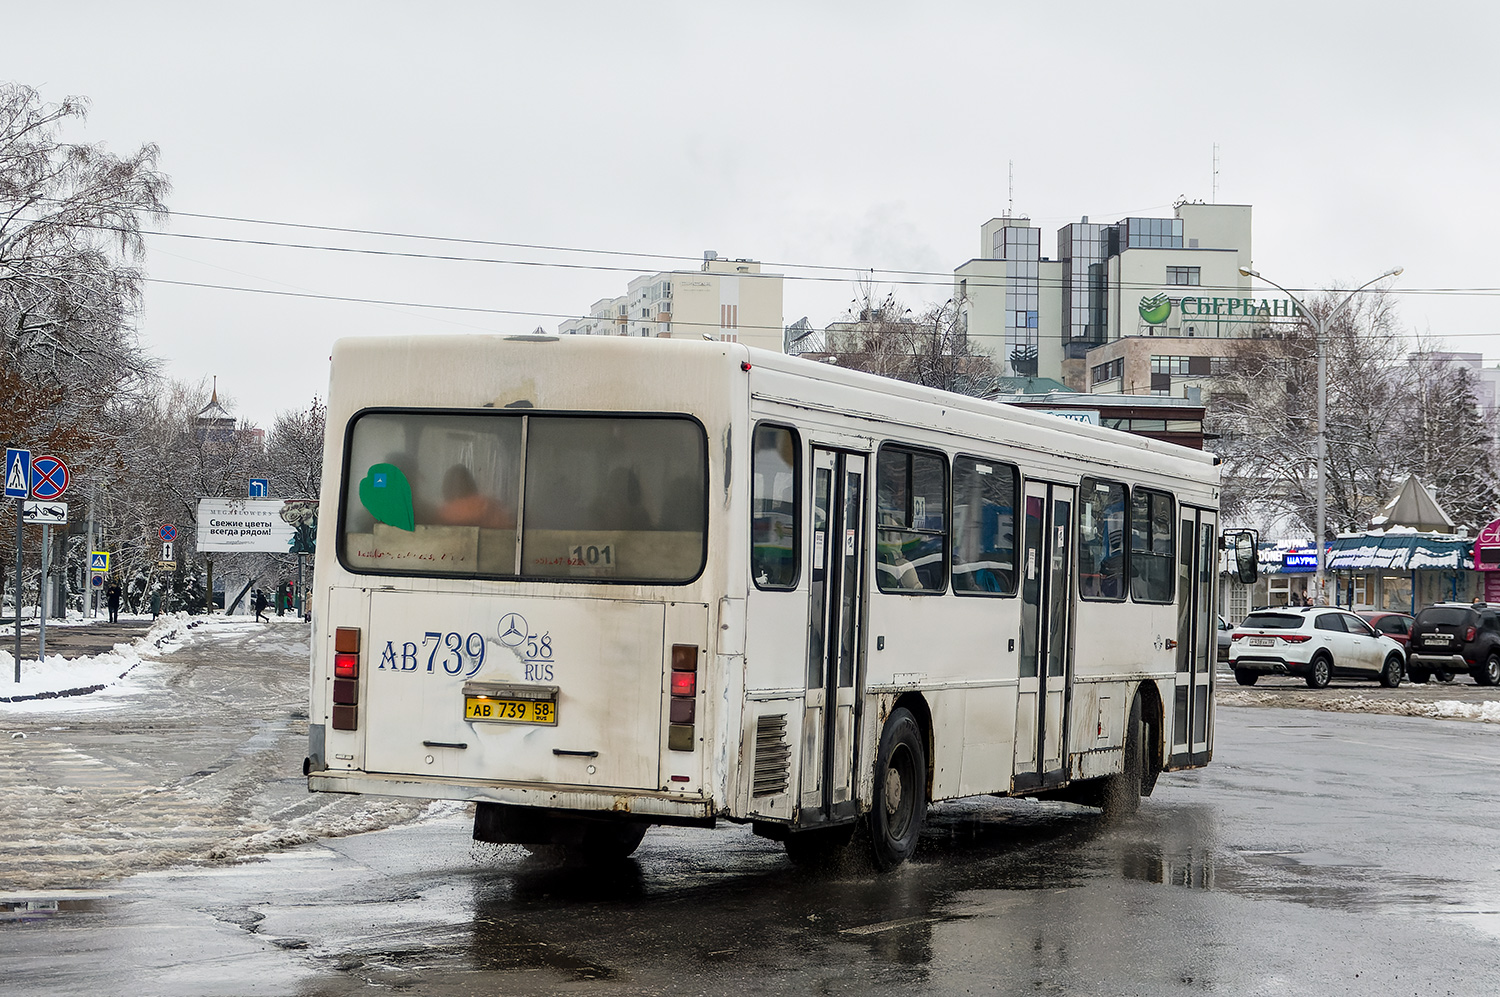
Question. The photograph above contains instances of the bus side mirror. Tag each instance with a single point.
(1245, 544)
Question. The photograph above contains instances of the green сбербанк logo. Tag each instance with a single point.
(1154, 310)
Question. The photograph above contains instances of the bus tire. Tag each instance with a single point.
(1122, 792)
(898, 804)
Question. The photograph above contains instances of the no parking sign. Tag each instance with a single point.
(49, 478)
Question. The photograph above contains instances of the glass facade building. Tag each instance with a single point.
(1084, 252)
(1021, 248)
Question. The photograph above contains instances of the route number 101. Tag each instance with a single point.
(592, 556)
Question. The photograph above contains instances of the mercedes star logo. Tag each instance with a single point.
(512, 629)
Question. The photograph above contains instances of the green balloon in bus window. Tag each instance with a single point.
(386, 493)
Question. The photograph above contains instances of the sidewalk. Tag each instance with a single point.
(85, 657)
(72, 638)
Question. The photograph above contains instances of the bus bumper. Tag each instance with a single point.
(656, 807)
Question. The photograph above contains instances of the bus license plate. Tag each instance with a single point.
(518, 711)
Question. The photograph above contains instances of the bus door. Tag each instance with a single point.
(838, 543)
(1197, 643)
(1046, 667)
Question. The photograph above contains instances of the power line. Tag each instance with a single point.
(896, 327)
(939, 278)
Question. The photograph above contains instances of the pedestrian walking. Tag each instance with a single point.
(112, 596)
(258, 600)
(155, 603)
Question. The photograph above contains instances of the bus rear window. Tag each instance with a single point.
(594, 497)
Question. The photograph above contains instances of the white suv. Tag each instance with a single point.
(1315, 642)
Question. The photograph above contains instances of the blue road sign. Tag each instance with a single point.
(260, 488)
(99, 560)
(17, 473)
(49, 478)
(168, 533)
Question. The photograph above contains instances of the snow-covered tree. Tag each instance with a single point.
(1388, 417)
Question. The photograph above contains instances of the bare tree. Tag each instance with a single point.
(70, 233)
(1387, 418)
(294, 451)
(883, 336)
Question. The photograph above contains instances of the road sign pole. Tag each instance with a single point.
(18, 591)
(90, 600)
(41, 632)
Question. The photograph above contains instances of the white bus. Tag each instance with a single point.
(594, 584)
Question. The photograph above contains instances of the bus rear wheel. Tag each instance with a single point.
(1122, 792)
(899, 803)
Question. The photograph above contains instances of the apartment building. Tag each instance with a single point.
(730, 300)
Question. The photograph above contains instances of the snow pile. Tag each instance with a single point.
(102, 676)
(1489, 712)
(1446, 709)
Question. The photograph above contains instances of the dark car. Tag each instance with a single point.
(1455, 637)
(1396, 626)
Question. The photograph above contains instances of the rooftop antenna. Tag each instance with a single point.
(1010, 203)
(1215, 194)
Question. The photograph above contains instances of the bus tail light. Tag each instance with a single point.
(346, 678)
(684, 704)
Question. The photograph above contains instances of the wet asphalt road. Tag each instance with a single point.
(1321, 853)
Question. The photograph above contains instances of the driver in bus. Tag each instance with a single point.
(464, 504)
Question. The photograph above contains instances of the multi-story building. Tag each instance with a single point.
(725, 299)
(1138, 306)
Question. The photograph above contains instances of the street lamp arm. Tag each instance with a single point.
(1247, 272)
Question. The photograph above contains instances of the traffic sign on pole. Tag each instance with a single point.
(99, 560)
(49, 478)
(168, 533)
(17, 473)
(45, 513)
(259, 487)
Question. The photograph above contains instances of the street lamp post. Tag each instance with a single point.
(1320, 329)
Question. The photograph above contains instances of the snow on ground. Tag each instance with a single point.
(107, 677)
(1443, 709)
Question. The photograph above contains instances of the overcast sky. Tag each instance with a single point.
(863, 135)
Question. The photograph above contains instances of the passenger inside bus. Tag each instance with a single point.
(464, 505)
(898, 572)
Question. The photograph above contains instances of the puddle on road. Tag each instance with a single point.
(1019, 846)
(46, 907)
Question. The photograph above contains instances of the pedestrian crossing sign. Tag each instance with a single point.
(99, 560)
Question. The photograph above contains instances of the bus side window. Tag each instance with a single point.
(984, 527)
(774, 515)
(911, 538)
(1152, 546)
(1101, 540)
